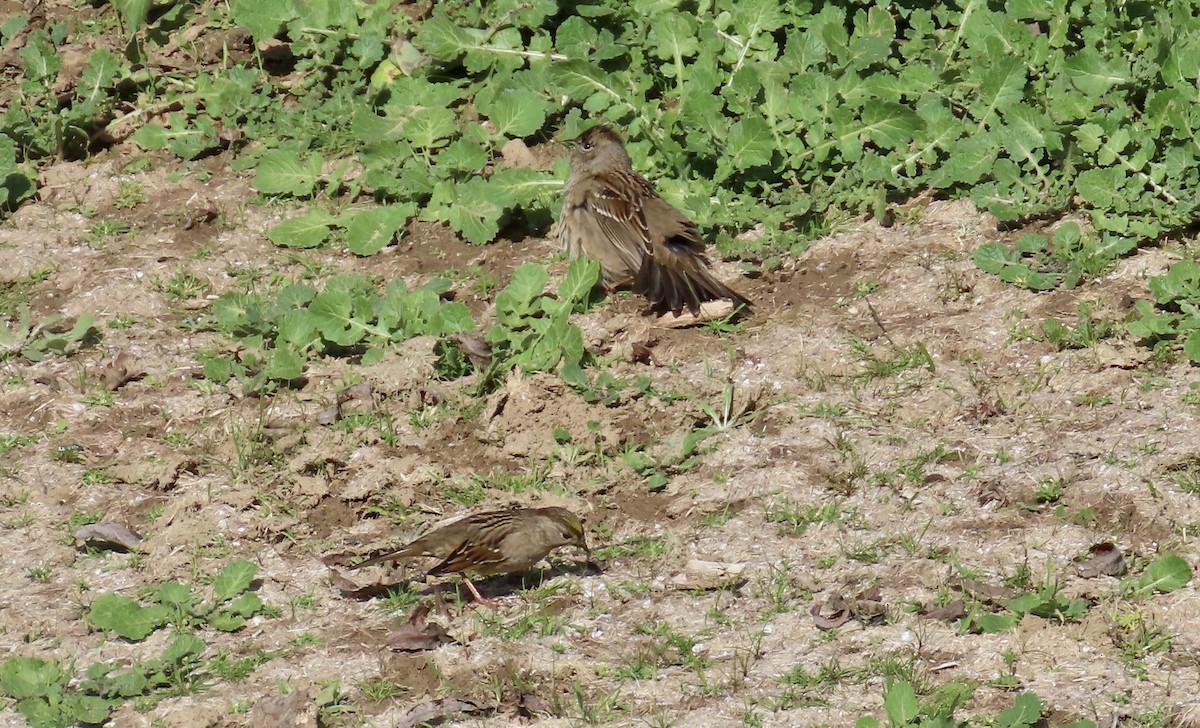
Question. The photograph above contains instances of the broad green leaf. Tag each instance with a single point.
(515, 301)
(900, 704)
(263, 18)
(40, 59)
(234, 579)
(1024, 604)
(444, 40)
(175, 595)
(988, 623)
(371, 230)
(429, 128)
(1026, 711)
(185, 645)
(296, 329)
(133, 12)
(515, 113)
(284, 365)
(120, 614)
(99, 77)
(673, 37)
(522, 187)
(477, 212)
(463, 155)
(1093, 74)
(992, 258)
(88, 709)
(1191, 347)
(30, 677)
(340, 317)
(750, 143)
(1001, 85)
(1166, 574)
(306, 231)
(576, 288)
(282, 172)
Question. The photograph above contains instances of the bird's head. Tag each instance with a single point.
(567, 528)
(599, 149)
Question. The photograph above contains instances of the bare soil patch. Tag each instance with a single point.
(894, 440)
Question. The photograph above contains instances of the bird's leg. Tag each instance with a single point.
(613, 286)
(478, 597)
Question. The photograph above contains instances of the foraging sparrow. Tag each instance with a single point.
(612, 214)
(493, 542)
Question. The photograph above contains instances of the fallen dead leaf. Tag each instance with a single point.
(434, 710)
(472, 346)
(709, 311)
(109, 537)
(834, 613)
(418, 633)
(952, 611)
(1106, 560)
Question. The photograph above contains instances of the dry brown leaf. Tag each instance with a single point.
(949, 613)
(988, 594)
(1105, 560)
(473, 346)
(433, 710)
(418, 634)
(109, 537)
(835, 613)
(709, 311)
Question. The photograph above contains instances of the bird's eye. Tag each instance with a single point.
(585, 145)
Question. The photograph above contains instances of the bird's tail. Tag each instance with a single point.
(669, 289)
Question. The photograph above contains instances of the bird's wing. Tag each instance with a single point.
(675, 272)
(469, 556)
(617, 204)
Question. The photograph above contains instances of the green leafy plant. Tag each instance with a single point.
(903, 709)
(1064, 259)
(276, 336)
(1047, 603)
(759, 112)
(37, 340)
(47, 697)
(15, 184)
(1173, 317)
(44, 696)
(1165, 574)
(1087, 331)
(230, 605)
(533, 331)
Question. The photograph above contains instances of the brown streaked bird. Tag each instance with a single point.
(612, 214)
(493, 542)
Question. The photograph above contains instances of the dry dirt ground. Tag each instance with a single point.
(901, 437)
(854, 466)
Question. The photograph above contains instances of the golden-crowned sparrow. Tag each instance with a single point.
(612, 214)
(493, 542)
